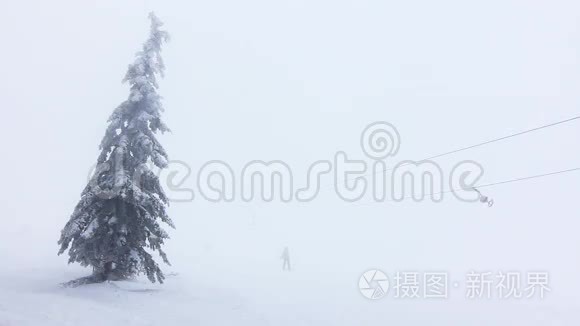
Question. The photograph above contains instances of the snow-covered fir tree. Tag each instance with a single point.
(115, 226)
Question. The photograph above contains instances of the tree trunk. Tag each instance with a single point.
(107, 270)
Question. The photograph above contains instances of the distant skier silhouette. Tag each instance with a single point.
(286, 257)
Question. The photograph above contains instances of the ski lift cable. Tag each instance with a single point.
(505, 137)
(527, 178)
(487, 185)
(491, 141)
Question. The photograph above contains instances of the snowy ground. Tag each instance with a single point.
(213, 289)
(226, 268)
(275, 301)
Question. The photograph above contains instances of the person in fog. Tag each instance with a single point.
(286, 257)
